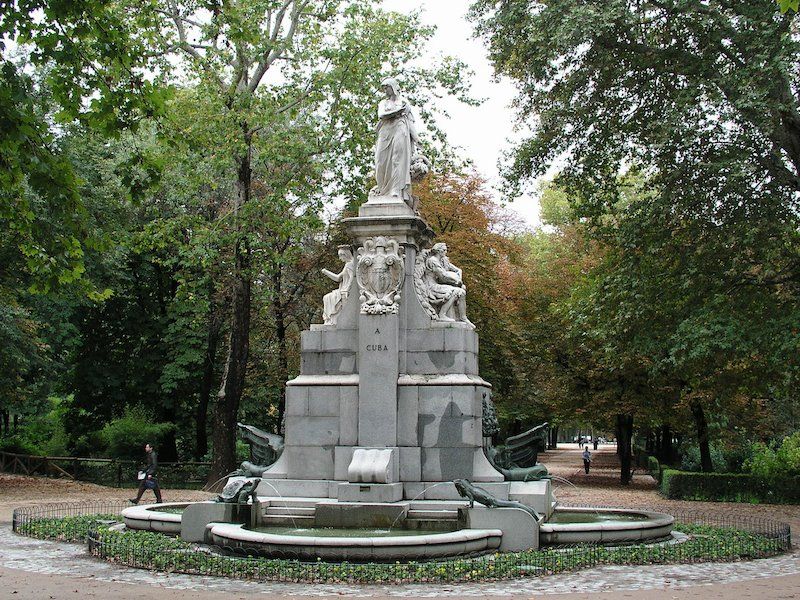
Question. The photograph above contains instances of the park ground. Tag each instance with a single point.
(600, 487)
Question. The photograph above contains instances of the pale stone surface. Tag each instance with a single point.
(439, 285)
(197, 516)
(407, 416)
(341, 457)
(296, 401)
(410, 463)
(377, 391)
(380, 271)
(348, 415)
(308, 462)
(359, 514)
(374, 465)
(536, 494)
(520, 529)
(333, 301)
(302, 488)
(370, 492)
(312, 431)
(395, 146)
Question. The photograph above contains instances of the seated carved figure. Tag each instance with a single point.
(440, 286)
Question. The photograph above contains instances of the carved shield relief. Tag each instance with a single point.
(379, 275)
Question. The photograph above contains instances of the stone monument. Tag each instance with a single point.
(389, 403)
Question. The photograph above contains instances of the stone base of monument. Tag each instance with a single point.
(370, 492)
(520, 529)
(536, 494)
(359, 514)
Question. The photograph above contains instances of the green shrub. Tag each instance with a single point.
(42, 434)
(126, 436)
(16, 444)
(653, 467)
(729, 487)
(690, 457)
(783, 460)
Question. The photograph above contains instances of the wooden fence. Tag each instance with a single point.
(109, 471)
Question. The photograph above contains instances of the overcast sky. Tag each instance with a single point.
(483, 132)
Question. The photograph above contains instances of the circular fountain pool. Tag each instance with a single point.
(604, 525)
(355, 544)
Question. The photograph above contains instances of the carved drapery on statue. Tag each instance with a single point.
(397, 161)
(333, 301)
(379, 274)
(439, 285)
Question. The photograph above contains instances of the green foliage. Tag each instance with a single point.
(66, 529)
(690, 457)
(163, 553)
(787, 5)
(653, 467)
(44, 433)
(730, 487)
(126, 436)
(660, 116)
(780, 460)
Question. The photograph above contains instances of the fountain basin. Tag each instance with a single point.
(154, 517)
(306, 545)
(585, 525)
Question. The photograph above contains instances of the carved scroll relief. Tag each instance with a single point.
(379, 273)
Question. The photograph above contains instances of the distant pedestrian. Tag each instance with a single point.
(147, 478)
(587, 458)
(595, 442)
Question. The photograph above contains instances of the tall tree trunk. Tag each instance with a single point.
(553, 442)
(207, 383)
(624, 424)
(702, 435)
(226, 409)
(280, 333)
(666, 452)
(4, 423)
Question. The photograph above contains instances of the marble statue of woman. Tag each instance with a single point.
(397, 140)
(332, 302)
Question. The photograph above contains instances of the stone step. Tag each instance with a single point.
(302, 511)
(416, 513)
(300, 502)
(288, 520)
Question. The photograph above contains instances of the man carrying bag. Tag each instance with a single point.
(147, 478)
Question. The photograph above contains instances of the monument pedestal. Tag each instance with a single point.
(389, 374)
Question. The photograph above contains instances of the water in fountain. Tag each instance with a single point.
(208, 488)
(575, 487)
(417, 497)
(285, 503)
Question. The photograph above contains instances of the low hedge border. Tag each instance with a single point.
(711, 538)
(729, 487)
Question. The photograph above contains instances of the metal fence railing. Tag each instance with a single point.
(711, 536)
(106, 471)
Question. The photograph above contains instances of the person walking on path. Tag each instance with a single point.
(149, 480)
(587, 458)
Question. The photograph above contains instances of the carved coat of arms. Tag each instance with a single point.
(379, 275)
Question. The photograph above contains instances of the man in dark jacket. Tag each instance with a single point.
(149, 480)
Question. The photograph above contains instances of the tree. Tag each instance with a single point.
(84, 51)
(284, 88)
(697, 101)
(480, 237)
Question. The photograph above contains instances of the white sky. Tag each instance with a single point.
(483, 131)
